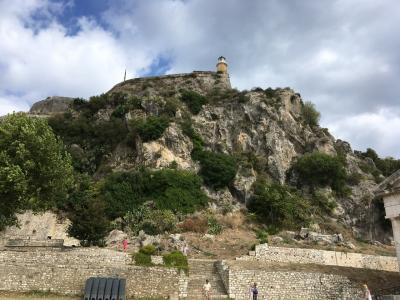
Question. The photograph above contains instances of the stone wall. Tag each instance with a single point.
(65, 272)
(200, 81)
(264, 252)
(284, 284)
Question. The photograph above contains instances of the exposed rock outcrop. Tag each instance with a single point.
(51, 105)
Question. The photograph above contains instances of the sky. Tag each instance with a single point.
(342, 55)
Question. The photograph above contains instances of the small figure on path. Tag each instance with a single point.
(367, 293)
(125, 244)
(207, 290)
(185, 249)
(254, 291)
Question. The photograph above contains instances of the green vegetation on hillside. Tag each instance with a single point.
(35, 169)
(310, 115)
(320, 169)
(386, 166)
(217, 169)
(279, 206)
(193, 100)
(150, 128)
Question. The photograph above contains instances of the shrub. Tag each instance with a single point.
(158, 221)
(270, 93)
(173, 190)
(142, 259)
(198, 143)
(262, 236)
(194, 224)
(177, 190)
(193, 100)
(148, 250)
(310, 115)
(151, 128)
(217, 169)
(320, 169)
(213, 226)
(124, 191)
(176, 259)
(279, 205)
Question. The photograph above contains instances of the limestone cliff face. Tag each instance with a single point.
(264, 124)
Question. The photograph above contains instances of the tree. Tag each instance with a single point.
(310, 115)
(320, 169)
(88, 221)
(278, 205)
(35, 170)
(217, 169)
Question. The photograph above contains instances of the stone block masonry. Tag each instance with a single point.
(65, 272)
(280, 285)
(264, 252)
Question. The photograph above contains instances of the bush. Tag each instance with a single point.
(151, 128)
(176, 259)
(320, 169)
(194, 224)
(95, 138)
(142, 259)
(158, 221)
(173, 190)
(124, 191)
(270, 93)
(148, 250)
(217, 169)
(213, 226)
(279, 205)
(193, 100)
(310, 115)
(262, 236)
(177, 190)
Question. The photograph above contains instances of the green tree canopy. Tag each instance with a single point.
(320, 169)
(35, 170)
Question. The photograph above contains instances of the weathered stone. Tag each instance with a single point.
(51, 105)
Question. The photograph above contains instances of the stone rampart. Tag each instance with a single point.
(264, 252)
(65, 272)
(274, 284)
(200, 81)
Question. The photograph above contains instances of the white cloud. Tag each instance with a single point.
(342, 55)
(47, 61)
(374, 130)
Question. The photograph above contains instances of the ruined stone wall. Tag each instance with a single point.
(281, 284)
(65, 272)
(264, 252)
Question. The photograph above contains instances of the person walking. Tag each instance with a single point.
(254, 291)
(367, 292)
(207, 290)
(125, 244)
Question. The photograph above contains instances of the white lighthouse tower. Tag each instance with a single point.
(222, 66)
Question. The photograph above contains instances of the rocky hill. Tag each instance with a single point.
(160, 122)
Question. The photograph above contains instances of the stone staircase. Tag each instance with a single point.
(199, 271)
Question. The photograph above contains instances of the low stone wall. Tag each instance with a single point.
(283, 284)
(65, 272)
(264, 252)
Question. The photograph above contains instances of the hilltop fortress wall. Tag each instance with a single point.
(65, 271)
(199, 81)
